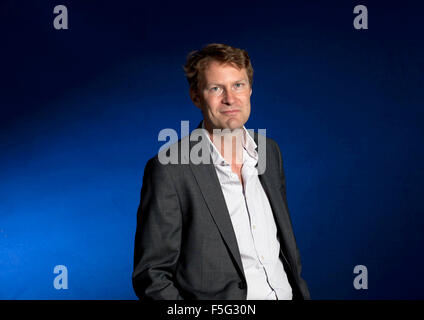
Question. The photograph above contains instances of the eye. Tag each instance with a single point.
(215, 90)
(239, 85)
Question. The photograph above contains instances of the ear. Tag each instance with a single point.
(195, 98)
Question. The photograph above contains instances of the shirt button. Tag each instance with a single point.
(254, 227)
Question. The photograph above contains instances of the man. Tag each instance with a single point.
(218, 229)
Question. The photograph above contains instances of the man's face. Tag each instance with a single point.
(223, 96)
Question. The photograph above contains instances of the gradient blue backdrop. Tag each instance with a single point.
(81, 110)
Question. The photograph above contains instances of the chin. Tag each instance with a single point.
(235, 124)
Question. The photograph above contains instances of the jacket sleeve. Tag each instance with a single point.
(158, 235)
(302, 283)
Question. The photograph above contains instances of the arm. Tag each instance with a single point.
(302, 283)
(158, 235)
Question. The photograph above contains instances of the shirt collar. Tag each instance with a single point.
(249, 145)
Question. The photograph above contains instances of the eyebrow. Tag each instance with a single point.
(218, 84)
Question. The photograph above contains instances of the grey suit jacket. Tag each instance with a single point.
(185, 245)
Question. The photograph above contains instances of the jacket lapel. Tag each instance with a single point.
(285, 232)
(210, 187)
(207, 179)
(279, 209)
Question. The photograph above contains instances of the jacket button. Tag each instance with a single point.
(242, 285)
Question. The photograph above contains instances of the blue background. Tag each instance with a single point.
(81, 110)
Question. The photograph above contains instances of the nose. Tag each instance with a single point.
(228, 97)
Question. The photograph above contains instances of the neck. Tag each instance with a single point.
(229, 143)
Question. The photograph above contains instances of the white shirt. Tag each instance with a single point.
(253, 224)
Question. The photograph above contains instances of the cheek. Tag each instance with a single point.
(213, 107)
(246, 102)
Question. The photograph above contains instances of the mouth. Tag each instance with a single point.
(230, 112)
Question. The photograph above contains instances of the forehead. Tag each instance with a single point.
(221, 73)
